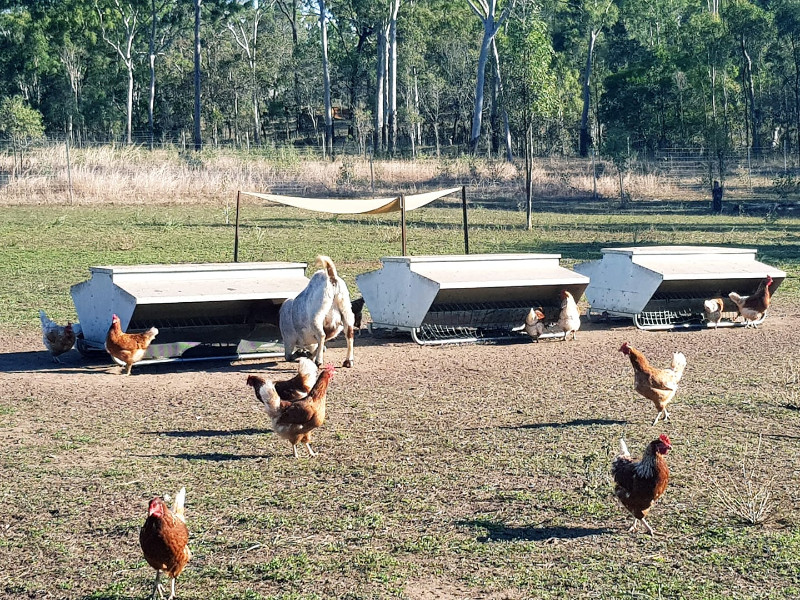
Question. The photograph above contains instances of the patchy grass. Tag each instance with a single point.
(475, 471)
(456, 472)
(48, 249)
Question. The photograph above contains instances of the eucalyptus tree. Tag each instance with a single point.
(486, 11)
(26, 58)
(168, 20)
(289, 9)
(531, 88)
(120, 23)
(787, 19)
(595, 16)
(752, 28)
(244, 28)
(326, 79)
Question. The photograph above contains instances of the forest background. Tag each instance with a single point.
(622, 78)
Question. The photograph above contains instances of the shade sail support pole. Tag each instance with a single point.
(403, 223)
(236, 231)
(464, 211)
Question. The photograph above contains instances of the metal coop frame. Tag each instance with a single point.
(664, 287)
(465, 298)
(202, 311)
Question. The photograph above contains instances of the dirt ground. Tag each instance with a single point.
(26, 367)
(70, 430)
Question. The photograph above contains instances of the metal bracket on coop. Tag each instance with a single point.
(202, 311)
(664, 287)
(465, 298)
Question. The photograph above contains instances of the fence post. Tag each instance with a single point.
(464, 210)
(236, 231)
(403, 224)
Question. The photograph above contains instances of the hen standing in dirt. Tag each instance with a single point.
(164, 539)
(657, 385)
(127, 348)
(638, 484)
(58, 339)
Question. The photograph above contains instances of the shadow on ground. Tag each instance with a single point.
(499, 532)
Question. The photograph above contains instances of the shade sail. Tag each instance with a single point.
(351, 206)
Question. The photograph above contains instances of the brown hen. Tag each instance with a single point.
(639, 483)
(294, 421)
(164, 539)
(127, 348)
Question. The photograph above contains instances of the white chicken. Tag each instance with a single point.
(569, 320)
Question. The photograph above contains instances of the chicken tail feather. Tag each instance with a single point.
(678, 363)
(267, 394)
(178, 507)
(623, 448)
(307, 369)
(737, 299)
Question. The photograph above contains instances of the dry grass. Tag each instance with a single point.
(748, 496)
(133, 174)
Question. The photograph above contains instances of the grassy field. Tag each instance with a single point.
(444, 473)
(46, 249)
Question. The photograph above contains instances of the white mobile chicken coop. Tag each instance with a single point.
(202, 311)
(664, 287)
(465, 298)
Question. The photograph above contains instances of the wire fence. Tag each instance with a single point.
(671, 174)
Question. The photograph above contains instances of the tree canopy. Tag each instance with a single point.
(715, 74)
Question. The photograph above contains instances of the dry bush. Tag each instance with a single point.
(134, 174)
(749, 496)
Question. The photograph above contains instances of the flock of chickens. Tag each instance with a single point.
(297, 406)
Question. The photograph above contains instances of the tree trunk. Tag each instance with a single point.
(477, 114)
(380, 77)
(796, 57)
(326, 82)
(491, 25)
(129, 105)
(393, 76)
(198, 141)
(585, 137)
(152, 99)
(417, 128)
(254, 83)
(751, 99)
(506, 126)
(528, 144)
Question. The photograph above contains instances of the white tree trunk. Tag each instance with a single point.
(506, 126)
(477, 113)
(380, 77)
(393, 75)
(585, 137)
(326, 81)
(249, 45)
(124, 48)
(491, 25)
(151, 101)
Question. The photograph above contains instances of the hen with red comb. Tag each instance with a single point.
(638, 484)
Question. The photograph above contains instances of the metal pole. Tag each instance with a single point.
(236, 231)
(464, 211)
(403, 223)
